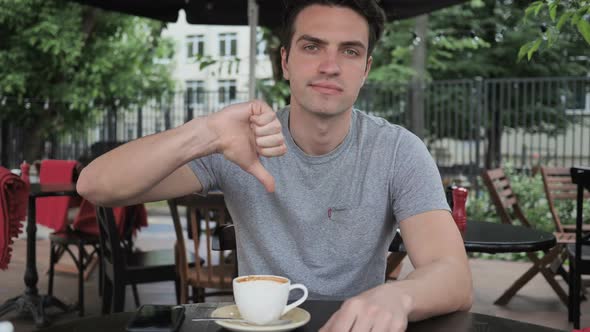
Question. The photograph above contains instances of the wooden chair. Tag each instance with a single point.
(558, 185)
(579, 252)
(507, 206)
(210, 275)
(122, 267)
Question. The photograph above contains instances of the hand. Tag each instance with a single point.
(246, 131)
(377, 310)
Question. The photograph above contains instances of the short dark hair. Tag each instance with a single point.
(369, 9)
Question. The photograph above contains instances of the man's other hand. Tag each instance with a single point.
(376, 310)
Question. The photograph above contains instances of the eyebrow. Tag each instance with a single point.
(351, 43)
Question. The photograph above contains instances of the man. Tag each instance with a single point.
(317, 190)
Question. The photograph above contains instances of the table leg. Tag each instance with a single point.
(30, 301)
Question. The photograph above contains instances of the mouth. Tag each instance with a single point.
(326, 88)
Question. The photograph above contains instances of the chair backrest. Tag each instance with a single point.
(212, 209)
(581, 265)
(53, 211)
(503, 197)
(558, 185)
(113, 255)
(581, 178)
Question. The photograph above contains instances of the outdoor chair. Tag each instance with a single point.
(213, 273)
(122, 266)
(510, 212)
(579, 252)
(58, 213)
(559, 187)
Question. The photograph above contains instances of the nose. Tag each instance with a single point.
(329, 64)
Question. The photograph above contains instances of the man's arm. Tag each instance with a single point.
(441, 282)
(147, 169)
(154, 167)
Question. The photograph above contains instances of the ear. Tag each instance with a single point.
(367, 68)
(284, 63)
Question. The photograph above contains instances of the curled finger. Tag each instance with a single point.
(270, 141)
(272, 152)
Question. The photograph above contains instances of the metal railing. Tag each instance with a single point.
(467, 125)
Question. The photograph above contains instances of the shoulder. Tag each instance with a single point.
(378, 127)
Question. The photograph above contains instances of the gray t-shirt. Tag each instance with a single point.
(332, 217)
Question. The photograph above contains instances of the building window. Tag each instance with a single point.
(195, 46)
(227, 91)
(228, 44)
(195, 93)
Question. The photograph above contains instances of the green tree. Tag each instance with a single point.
(481, 39)
(62, 63)
(476, 39)
(558, 19)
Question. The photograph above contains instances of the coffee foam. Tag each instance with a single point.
(262, 278)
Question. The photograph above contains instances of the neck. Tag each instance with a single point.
(317, 134)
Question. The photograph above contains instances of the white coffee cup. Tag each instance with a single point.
(262, 299)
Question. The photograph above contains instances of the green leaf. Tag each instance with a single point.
(523, 50)
(584, 29)
(534, 48)
(564, 17)
(576, 18)
(553, 11)
(533, 8)
(206, 63)
(539, 7)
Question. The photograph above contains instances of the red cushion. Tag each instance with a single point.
(13, 209)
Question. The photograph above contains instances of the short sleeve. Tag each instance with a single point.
(208, 170)
(416, 185)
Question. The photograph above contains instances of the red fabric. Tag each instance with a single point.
(14, 194)
(86, 221)
(586, 329)
(53, 211)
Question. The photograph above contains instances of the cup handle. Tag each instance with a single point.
(298, 302)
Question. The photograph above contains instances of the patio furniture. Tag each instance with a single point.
(558, 185)
(506, 203)
(55, 212)
(13, 208)
(494, 238)
(122, 266)
(30, 301)
(215, 275)
(579, 252)
(320, 312)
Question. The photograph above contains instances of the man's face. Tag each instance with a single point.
(327, 63)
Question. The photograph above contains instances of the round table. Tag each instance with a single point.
(320, 312)
(493, 238)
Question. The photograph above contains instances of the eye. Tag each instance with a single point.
(311, 47)
(351, 52)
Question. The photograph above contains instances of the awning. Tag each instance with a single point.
(235, 12)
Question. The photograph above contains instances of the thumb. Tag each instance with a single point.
(262, 175)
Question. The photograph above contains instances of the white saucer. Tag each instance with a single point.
(297, 316)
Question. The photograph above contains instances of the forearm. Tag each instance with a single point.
(133, 169)
(438, 288)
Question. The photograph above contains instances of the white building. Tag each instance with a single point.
(226, 80)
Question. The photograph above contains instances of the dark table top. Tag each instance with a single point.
(320, 312)
(54, 189)
(494, 238)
